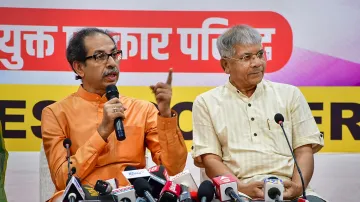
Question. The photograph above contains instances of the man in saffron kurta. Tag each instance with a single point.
(87, 117)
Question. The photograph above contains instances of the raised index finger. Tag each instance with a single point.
(169, 78)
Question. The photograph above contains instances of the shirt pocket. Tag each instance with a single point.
(274, 139)
(133, 147)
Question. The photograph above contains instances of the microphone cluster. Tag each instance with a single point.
(155, 185)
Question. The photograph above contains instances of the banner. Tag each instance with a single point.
(153, 41)
(337, 116)
(147, 38)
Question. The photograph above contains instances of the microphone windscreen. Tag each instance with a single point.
(111, 92)
(67, 141)
(279, 118)
(73, 170)
(140, 186)
(273, 192)
(206, 189)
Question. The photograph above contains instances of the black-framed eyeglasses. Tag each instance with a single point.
(103, 57)
(247, 57)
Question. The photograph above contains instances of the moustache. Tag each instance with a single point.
(112, 71)
(256, 70)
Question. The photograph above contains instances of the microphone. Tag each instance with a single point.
(73, 191)
(125, 194)
(131, 174)
(112, 92)
(156, 182)
(274, 194)
(206, 191)
(67, 145)
(273, 189)
(143, 189)
(185, 194)
(113, 183)
(157, 179)
(170, 192)
(103, 187)
(157, 185)
(73, 170)
(185, 178)
(92, 195)
(159, 171)
(279, 119)
(225, 188)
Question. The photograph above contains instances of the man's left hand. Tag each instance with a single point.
(163, 93)
(292, 190)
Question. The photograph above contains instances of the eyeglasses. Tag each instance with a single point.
(103, 57)
(249, 56)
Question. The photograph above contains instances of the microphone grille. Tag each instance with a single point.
(111, 92)
(206, 189)
(67, 141)
(141, 185)
(279, 118)
(73, 170)
(273, 192)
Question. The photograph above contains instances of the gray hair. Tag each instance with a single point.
(237, 35)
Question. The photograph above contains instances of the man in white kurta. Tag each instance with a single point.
(234, 129)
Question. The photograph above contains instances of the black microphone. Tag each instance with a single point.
(73, 170)
(100, 193)
(232, 194)
(67, 145)
(157, 179)
(91, 194)
(279, 119)
(143, 189)
(274, 193)
(206, 191)
(112, 92)
(103, 187)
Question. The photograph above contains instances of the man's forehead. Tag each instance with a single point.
(99, 42)
(247, 49)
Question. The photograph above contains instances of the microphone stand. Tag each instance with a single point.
(67, 145)
(296, 164)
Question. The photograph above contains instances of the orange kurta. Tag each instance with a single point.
(79, 115)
